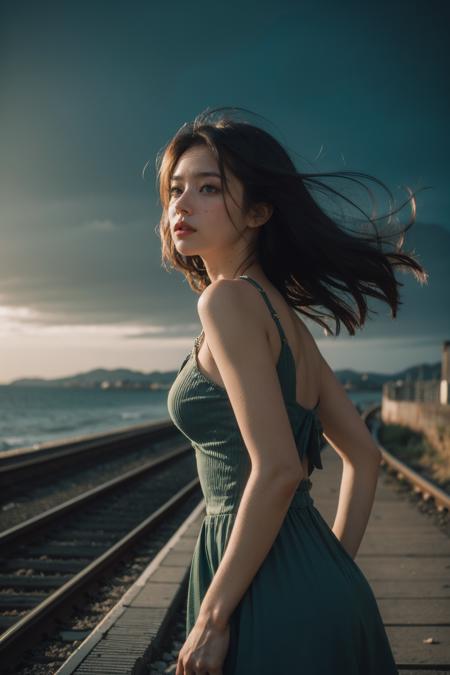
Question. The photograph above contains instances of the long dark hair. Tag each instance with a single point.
(314, 260)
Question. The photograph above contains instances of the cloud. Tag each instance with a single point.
(14, 320)
(25, 321)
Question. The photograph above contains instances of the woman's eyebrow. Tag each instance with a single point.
(200, 174)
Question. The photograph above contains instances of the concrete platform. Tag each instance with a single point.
(129, 634)
(407, 563)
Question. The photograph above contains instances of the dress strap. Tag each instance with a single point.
(268, 303)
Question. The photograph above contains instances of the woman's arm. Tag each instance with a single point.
(261, 512)
(348, 435)
(356, 496)
(237, 338)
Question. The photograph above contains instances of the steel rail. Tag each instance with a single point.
(35, 523)
(22, 464)
(403, 472)
(13, 639)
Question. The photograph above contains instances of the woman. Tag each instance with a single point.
(272, 589)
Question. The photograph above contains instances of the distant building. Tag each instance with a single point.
(427, 391)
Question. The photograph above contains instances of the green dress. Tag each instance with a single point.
(309, 609)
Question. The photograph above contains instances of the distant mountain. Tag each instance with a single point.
(99, 377)
(123, 377)
(368, 380)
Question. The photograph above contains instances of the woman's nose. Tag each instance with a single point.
(183, 202)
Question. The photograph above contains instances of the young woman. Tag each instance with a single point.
(272, 590)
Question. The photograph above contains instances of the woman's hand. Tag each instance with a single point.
(204, 651)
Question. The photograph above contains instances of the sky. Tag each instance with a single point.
(91, 92)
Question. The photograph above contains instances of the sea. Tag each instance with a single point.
(30, 416)
(34, 415)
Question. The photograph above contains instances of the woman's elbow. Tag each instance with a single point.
(285, 479)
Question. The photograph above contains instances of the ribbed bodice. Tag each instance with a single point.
(201, 410)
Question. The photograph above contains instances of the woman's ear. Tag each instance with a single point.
(261, 213)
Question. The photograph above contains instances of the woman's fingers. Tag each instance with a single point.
(186, 670)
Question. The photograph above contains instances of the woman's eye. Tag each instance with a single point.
(211, 186)
(203, 186)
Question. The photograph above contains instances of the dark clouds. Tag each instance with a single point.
(91, 92)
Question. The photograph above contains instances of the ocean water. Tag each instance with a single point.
(31, 415)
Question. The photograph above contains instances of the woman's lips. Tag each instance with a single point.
(184, 233)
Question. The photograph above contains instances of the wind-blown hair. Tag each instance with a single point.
(313, 258)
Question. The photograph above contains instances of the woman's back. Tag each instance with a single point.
(301, 342)
(281, 324)
(200, 407)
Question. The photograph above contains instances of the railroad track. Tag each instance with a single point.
(419, 484)
(24, 466)
(48, 561)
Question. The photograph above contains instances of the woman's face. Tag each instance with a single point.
(199, 201)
